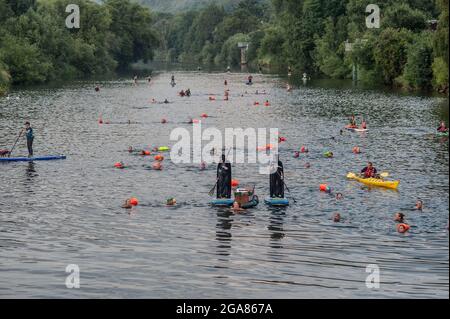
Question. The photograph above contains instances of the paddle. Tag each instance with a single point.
(287, 188)
(353, 175)
(12, 149)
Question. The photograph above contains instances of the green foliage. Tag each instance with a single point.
(440, 72)
(401, 15)
(418, 69)
(25, 61)
(390, 53)
(36, 46)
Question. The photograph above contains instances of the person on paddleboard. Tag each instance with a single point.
(277, 181)
(442, 128)
(30, 137)
(223, 179)
(369, 171)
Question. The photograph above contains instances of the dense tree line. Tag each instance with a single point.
(36, 46)
(310, 36)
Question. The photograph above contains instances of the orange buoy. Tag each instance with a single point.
(147, 153)
(195, 121)
(119, 165)
(256, 103)
(234, 183)
(134, 201)
(325, 188)
(159, 158)
(303, 149)
(212, 98)
(356, 150)
(204, 115)
(403, 228)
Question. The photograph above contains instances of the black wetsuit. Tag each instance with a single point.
(224, 180)
(277, 182)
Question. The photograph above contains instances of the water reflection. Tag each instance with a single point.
(30, 171)
(223, 234)
(276, 222)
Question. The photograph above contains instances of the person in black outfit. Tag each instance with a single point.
(223, 179)
(277, 182)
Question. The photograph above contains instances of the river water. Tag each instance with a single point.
(57, 213)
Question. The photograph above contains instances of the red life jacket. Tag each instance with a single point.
(369, 172)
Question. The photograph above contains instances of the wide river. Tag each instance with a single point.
(57, 213)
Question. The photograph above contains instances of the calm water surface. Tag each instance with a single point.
(68, 212)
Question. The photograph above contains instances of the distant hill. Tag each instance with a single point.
(184, 5)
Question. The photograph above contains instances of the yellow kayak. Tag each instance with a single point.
(374, 181)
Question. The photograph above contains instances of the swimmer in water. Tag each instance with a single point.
(336, 217)
(399, 217)
(236, 208)
(202, 166)
(171, 202)
(166, 101)
(127, 204)
(419, 205)
(339, 196)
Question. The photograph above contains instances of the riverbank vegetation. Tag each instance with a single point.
(37, 47)
(408, 50)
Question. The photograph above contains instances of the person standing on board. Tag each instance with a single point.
(224, 179)
(30, 137)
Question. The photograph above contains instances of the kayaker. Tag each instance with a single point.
(399, 217)
(419, 205)
(363, 124)
(352, 122)
(236, 208)
(442, 128)
(369, 171)
(30, 137)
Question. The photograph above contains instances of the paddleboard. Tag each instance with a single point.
(276, 201)
(222, 202)
(31, 159)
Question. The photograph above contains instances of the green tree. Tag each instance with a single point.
(401, 15)
(418, 71)
(390, 53)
